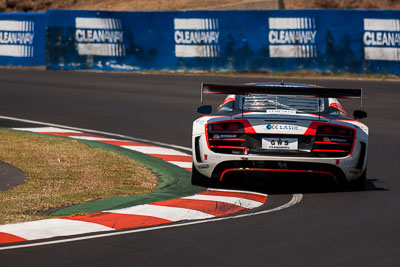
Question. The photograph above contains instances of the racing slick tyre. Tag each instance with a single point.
(201, 180)
(360, 182)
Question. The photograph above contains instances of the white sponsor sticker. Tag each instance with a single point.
(281, 111)
(279, 143)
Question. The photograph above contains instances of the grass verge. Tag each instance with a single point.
(174, 183)
(63, 172)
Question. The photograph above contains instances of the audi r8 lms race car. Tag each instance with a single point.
(283, 129)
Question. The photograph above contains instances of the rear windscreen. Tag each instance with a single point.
(262, 103)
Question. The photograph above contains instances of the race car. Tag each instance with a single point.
(279, 128)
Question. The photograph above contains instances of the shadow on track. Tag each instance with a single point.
(283, 184)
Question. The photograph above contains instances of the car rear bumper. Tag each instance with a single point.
(217, 165)
(223, 170)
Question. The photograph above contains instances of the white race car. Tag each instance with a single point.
(279, 129)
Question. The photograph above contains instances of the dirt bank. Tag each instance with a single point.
(148, 5)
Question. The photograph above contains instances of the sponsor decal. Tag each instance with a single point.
(16, 38)
(336, 140)
(224, 136)
(292, 37)
(283, 127)
(99, 37)
(347, 161)
(281, 111)
(381, 39)
(214, 157)
(204, 166)
(279, 143)
(196, 37)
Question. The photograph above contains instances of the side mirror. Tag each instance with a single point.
(207, 109)
(359, 114)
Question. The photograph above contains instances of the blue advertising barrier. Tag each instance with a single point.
(22, 39)
(275, 40)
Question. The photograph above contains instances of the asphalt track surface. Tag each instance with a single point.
(327, 228)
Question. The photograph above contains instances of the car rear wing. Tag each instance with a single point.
(279, 90)
(285, 90)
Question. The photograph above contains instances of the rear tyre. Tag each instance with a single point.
(199, 179)
(360, 182)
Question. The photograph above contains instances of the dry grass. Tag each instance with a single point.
(154, 5)
(342, 4)
(64, 172)
(119, 5)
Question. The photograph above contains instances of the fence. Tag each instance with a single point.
(273, 40)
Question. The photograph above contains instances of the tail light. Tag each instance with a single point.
(333, 141)
(227, 138)
(226, 127)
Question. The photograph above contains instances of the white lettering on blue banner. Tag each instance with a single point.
(381, 39)
(99, 37)
(292, 37)
(196, 37)
(16, 38)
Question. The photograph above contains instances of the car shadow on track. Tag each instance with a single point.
(281, 184)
